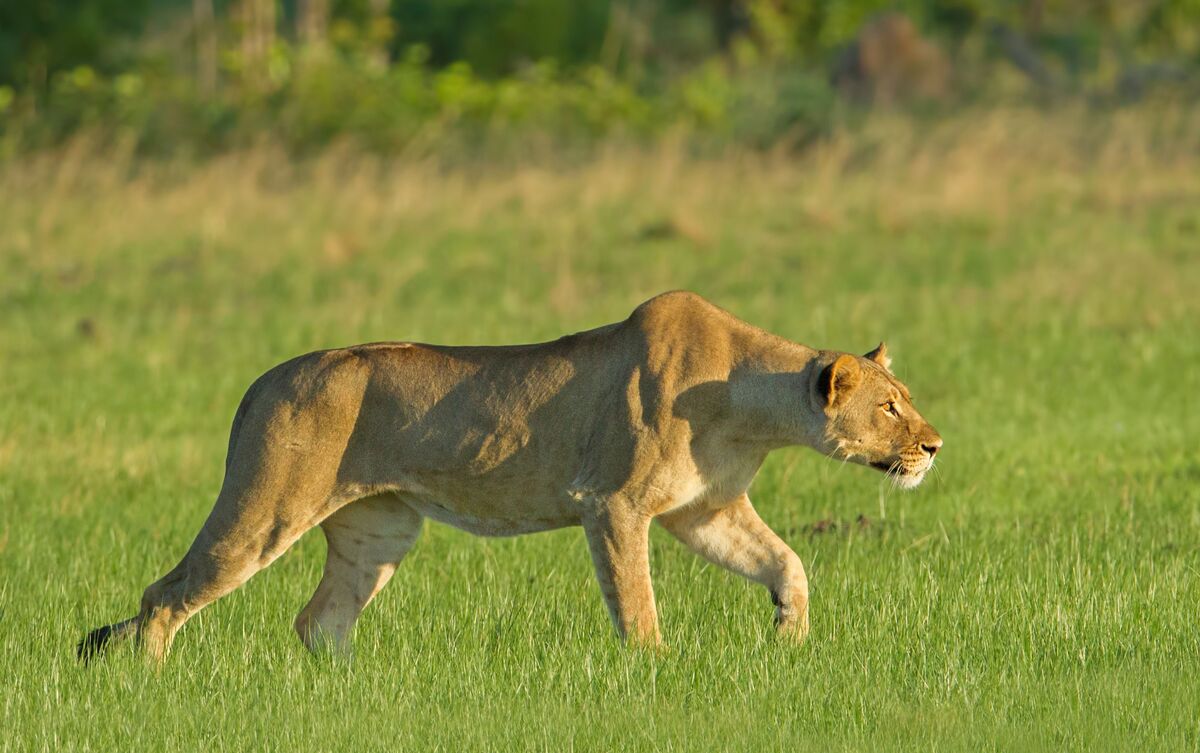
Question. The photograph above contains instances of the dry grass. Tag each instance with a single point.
(891, 170)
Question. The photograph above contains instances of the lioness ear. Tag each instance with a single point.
(880, 356)
(839, 379)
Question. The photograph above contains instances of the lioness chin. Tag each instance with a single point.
(663, 417)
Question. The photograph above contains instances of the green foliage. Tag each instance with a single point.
(467, 74)
(319, 98)
(780, 103)
(498, 37)
(1172, 25)
(39, 38)
(328, 98)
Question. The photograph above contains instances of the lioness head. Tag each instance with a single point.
(870, 418)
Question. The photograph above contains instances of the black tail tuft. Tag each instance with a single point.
(97, 640)
(93, 643)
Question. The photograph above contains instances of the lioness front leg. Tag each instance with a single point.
(620, 544)
(734, 537)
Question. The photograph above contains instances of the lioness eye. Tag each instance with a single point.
(890, 407)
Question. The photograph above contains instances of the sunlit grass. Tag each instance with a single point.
(1035, 277)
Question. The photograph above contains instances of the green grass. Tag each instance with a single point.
(1039, 592)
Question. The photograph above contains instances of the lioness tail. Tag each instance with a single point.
(97, 641)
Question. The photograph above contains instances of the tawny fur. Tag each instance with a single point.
(665, 416)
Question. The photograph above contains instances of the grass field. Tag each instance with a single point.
(1035, 277)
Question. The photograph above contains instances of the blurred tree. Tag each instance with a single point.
(380, 30)
(205, 32)
(256, 30)
(312, 21)
(628, 39)
(1034, 12)
(730, 19)
(499, 36)
(41, 37)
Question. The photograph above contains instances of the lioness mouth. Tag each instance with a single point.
(885, 467)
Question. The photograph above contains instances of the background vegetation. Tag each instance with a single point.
(187, 77)
(191, 192)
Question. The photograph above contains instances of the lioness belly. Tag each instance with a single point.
(491, 525)
(488, 509)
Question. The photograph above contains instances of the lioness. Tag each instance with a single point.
(664, 417)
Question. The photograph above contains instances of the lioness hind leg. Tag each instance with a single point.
(366, 540)
(221, 558)
(286, 447)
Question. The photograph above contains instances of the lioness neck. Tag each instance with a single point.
(771, 392)
(758, 387)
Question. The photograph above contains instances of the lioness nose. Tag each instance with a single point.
(932, 446)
